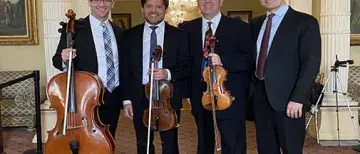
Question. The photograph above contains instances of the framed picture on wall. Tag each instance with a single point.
(18, 22)
(244, 15)
(122, 19)
(355, 22)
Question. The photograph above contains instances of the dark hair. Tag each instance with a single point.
(165, 2)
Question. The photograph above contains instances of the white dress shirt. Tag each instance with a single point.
(160, 31)
(97, 34)
(214, 24)
(276, 21)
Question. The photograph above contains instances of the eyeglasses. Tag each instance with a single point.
(99, 1)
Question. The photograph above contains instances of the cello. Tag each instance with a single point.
(159, 116)
(76, 96)
(216, 97)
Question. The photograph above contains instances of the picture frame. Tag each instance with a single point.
(122, 18)
(244, 15)
(18, 24)
(355, 22)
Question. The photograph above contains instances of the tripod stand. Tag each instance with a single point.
(335, 74)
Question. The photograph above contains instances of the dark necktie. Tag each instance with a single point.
(208, 33)
(153, 43)
(263, 49)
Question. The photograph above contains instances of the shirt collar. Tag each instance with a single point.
(214, 20)
(160, 26)
(281, 11)
(97, 23)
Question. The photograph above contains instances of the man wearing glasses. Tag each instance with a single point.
(96, 51)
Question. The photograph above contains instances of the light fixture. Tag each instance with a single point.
(178, 9)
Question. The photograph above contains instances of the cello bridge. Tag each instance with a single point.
(74, 127)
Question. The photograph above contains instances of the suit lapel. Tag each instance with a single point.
(220, 25)
(282, 31)
(166, 46)
(117, 33)
(220, 30)
(138, 47)
(88, 39)
(257, 27)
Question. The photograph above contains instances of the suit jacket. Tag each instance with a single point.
(86, 58)
(175, 58)
(293, 60)
(234, 46)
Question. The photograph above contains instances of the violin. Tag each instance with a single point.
(216, 93)
(159, 116)
(76, 96)
(216, 97)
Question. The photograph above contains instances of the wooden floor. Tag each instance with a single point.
(18, 140)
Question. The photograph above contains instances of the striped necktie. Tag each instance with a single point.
(109, 59)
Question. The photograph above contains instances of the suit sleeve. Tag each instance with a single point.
(182, 68)
(186, 91)
(57, 60)
(125, 67)
(310, 58)
(242, 61)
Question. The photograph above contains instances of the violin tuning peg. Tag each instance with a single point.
(62, 23)
(216, 43)
(153, 54)
(60, 30)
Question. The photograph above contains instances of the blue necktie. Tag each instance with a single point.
(109, 59)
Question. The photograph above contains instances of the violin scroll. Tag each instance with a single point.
(71, 24)
(158, 53)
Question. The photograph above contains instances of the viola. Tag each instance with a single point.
(76, 96)
(159, 116)
(160, 113)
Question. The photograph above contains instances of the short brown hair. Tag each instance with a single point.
(165, 2)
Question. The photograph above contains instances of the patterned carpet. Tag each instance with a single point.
(18, 140)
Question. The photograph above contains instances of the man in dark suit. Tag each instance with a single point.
(138, 45)
(288, 58)
(96, 43)
(233, 51)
